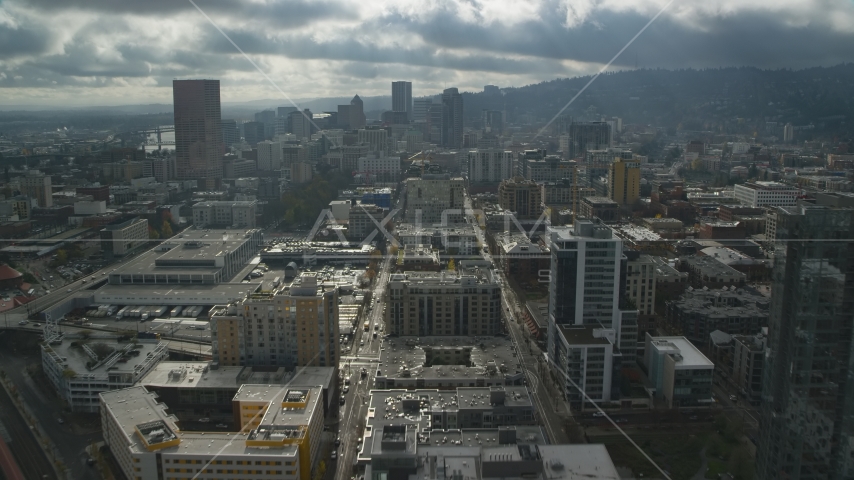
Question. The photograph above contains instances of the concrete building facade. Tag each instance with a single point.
(233, 214)
(198, 131)
(467, 302)
(294, 325)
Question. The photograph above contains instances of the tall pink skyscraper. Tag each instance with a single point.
(198, 132)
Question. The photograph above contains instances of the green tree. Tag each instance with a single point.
(75, 252)
(61, 257)
(166, 229)
(153, 234)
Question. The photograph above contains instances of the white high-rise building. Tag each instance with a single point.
(269, 155)
(584, 310)
(490, 165)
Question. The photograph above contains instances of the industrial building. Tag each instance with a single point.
(193, 257)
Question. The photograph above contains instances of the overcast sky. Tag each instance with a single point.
(111, 52)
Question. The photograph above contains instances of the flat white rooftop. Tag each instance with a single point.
(691, 357)
(221, 294)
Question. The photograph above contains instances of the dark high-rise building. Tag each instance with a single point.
(284, 111)
(267, 116)
(452, 118)
(198, 131)
(301, 124)
(434, 123)
(357, 113)
(343, 117)
(401, 98)
(230, 133)
(491, 90)
(588, 136)
(808, 391)
(420, 108)
(493, 121)
(253, 132)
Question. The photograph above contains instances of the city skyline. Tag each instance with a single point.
(112, 54)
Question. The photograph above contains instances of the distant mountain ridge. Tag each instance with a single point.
(707, 99)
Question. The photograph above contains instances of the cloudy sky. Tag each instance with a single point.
(112, 52)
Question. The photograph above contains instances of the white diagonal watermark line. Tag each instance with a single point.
(603, 68)
(210, 20)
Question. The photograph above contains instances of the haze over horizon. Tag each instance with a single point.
(99, 52)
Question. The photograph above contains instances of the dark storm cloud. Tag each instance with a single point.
(439, 42)
(748, 38)
(16, 42)
(287, 14)
(304, 47)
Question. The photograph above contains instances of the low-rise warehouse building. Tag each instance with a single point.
(193, 257)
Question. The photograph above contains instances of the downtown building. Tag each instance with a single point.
(624, 182)
(37, 186)
(229, 214)
(279, 435)
(452, 119)
(591, 330)
(584, 136)
(766, 194)
(807, 394)
(459, 303)
(435, 198)
(198, 132)
(524, 198)
(293, 326)
(490, 165)
(401, 98)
